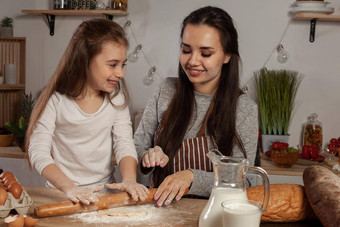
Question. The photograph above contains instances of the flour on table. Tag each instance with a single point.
(130, 215)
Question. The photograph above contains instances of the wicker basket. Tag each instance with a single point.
(283, 158)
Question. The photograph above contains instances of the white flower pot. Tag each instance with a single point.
(267, 141)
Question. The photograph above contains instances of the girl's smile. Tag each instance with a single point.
(107, 68)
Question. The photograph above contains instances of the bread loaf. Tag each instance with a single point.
(323, 192)
(287, 203)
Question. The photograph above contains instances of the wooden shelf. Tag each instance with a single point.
(8, 87)
(323, 17)
(77, 12)
(51, 14)
(12, 152)
(12, 51)
(313, 17)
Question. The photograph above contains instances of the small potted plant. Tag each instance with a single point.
(276, 91)
(6, 137)
(6, 27)
(19, 129)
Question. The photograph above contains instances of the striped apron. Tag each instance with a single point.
(192, 153)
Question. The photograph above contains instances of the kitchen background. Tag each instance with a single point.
(261, 24)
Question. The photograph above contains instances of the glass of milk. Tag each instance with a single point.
(241, 213)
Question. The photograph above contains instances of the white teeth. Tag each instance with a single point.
(195, 71)
(111, 82)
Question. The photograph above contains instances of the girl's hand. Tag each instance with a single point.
(173, 186)
(133, 188)
(155, 157)
(84, 195)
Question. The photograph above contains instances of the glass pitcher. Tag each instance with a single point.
(229, 183)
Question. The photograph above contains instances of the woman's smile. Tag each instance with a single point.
(195, 72)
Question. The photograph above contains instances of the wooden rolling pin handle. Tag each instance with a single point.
(104, 202)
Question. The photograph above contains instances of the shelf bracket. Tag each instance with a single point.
(312, 30)
(108, 16)
(50, 19)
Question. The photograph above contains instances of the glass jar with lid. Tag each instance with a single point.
(312, 134)
(119, 4)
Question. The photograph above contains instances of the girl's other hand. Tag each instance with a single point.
(155, 157)
(173, 187)
(133, 188)
(84, 195)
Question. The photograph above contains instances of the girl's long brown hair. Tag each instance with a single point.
(221, 125)
(71, 76)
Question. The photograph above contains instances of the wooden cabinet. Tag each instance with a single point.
(12, 51)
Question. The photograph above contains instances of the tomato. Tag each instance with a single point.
(332, 146)
(333, 140)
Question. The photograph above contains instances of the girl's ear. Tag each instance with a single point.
(227, 58)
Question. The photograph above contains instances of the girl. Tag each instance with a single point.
(82, 116)
(202, 109)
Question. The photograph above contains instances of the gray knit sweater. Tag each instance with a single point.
(246, 126)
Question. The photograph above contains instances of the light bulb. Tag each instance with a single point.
(149, 78)
(133, 57)
(127, 24)
(282, 56)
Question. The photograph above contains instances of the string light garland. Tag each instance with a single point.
(275, 49)
(134, 56)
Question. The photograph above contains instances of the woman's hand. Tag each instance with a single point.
(173, 186)
(83, 195)
(155, 157)
(133, 188)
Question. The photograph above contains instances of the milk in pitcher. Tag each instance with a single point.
(211, 215)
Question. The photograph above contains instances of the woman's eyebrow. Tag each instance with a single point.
(114, 60)
(202, 48)
(184, 44)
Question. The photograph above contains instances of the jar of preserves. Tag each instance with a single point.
(312, 134)
(119, 4)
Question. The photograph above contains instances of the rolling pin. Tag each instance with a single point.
(104, 202)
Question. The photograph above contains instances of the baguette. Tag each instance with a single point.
(323, 192)
(287, 203)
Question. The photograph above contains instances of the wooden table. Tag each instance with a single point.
(185, 212)
(295, 170)
(12, 152)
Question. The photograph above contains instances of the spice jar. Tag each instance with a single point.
(312, 134)
(119, 4)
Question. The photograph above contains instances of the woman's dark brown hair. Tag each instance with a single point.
(221, 125)
(71, 75)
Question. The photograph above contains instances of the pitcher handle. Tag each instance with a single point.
(265, 179)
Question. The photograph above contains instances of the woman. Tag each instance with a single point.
(202, 109)
(82, 118)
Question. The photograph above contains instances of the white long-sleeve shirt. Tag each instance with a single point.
(81, 144)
